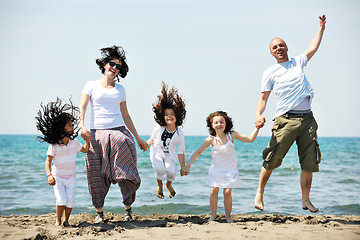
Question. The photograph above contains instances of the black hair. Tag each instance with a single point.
(169, 99)
(111, 53)
(52, 119)
(228, 122)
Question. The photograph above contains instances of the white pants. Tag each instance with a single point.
(161, 166)
(64, 190)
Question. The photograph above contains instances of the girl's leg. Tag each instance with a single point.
(214, 194)
(59, 212)
(70, 194)
(60, 195)
(170, 189)
(67, 216)
(159, 190)
(170, 166)
(228, 204)
(159, 169)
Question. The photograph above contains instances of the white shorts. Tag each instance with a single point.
(64, 190)
(161, 166)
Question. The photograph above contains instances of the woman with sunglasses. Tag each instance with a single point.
(112, 156)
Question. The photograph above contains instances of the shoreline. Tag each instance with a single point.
(178, 226)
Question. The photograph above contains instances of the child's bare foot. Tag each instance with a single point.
(212, 218)
(159, 192)
(307, 205)
(58, 223)
(258, 202)
(228, 219)
(66, 224)
(170, 190)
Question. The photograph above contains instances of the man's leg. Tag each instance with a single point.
(264, 177)
(305, 182)
(309, 156)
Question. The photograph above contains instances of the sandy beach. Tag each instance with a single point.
(271, 226)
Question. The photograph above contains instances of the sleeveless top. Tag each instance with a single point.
(224, 156)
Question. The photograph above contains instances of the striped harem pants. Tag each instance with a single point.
(112, 159)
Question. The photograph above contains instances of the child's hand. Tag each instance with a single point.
(182, 172)
(51, 180)
(186, 170)
(85, 134)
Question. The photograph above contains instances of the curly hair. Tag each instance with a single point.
(111, 53)
(228, 122)
(169, 99)
(52, 119)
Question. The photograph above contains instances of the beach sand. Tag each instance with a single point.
(269, 226)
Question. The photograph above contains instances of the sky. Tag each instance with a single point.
(213, 52)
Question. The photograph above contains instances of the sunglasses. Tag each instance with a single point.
(112, 64)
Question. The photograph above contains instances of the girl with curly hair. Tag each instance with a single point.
(166, 137)
(58, 124)
(223, 172)
(112, 157)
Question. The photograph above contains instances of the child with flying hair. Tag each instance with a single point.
(223, 172)
(58, 124)
(167, 142)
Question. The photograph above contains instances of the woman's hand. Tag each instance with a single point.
(142, 144)
(85, 134)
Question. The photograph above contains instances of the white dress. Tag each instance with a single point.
(223, 172)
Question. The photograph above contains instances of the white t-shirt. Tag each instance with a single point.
(64, 158)
(289, 83)
(105, 105)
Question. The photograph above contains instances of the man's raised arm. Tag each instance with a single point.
(315, 43)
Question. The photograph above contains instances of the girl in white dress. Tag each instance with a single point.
(223, 172)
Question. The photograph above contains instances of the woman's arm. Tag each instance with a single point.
(84, 101)
(130, 125)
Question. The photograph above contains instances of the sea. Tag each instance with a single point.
(335, 189)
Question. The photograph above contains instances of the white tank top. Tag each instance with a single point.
(224, 156)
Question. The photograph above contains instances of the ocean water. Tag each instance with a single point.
(335, 189)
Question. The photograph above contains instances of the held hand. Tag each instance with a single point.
(85, 134)
(51, 180)
(142, 144)
(260, 122)
(185, 171)
(322, 21)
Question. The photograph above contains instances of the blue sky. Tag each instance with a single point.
(214, 52)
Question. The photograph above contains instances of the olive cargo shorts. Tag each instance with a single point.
(288, 128)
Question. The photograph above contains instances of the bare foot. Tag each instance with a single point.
(307, 205)
(159, 192)
(66, 224)
(58, 223)
(212, 218)
(170, 190)
(258, 202)
(229, 220)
